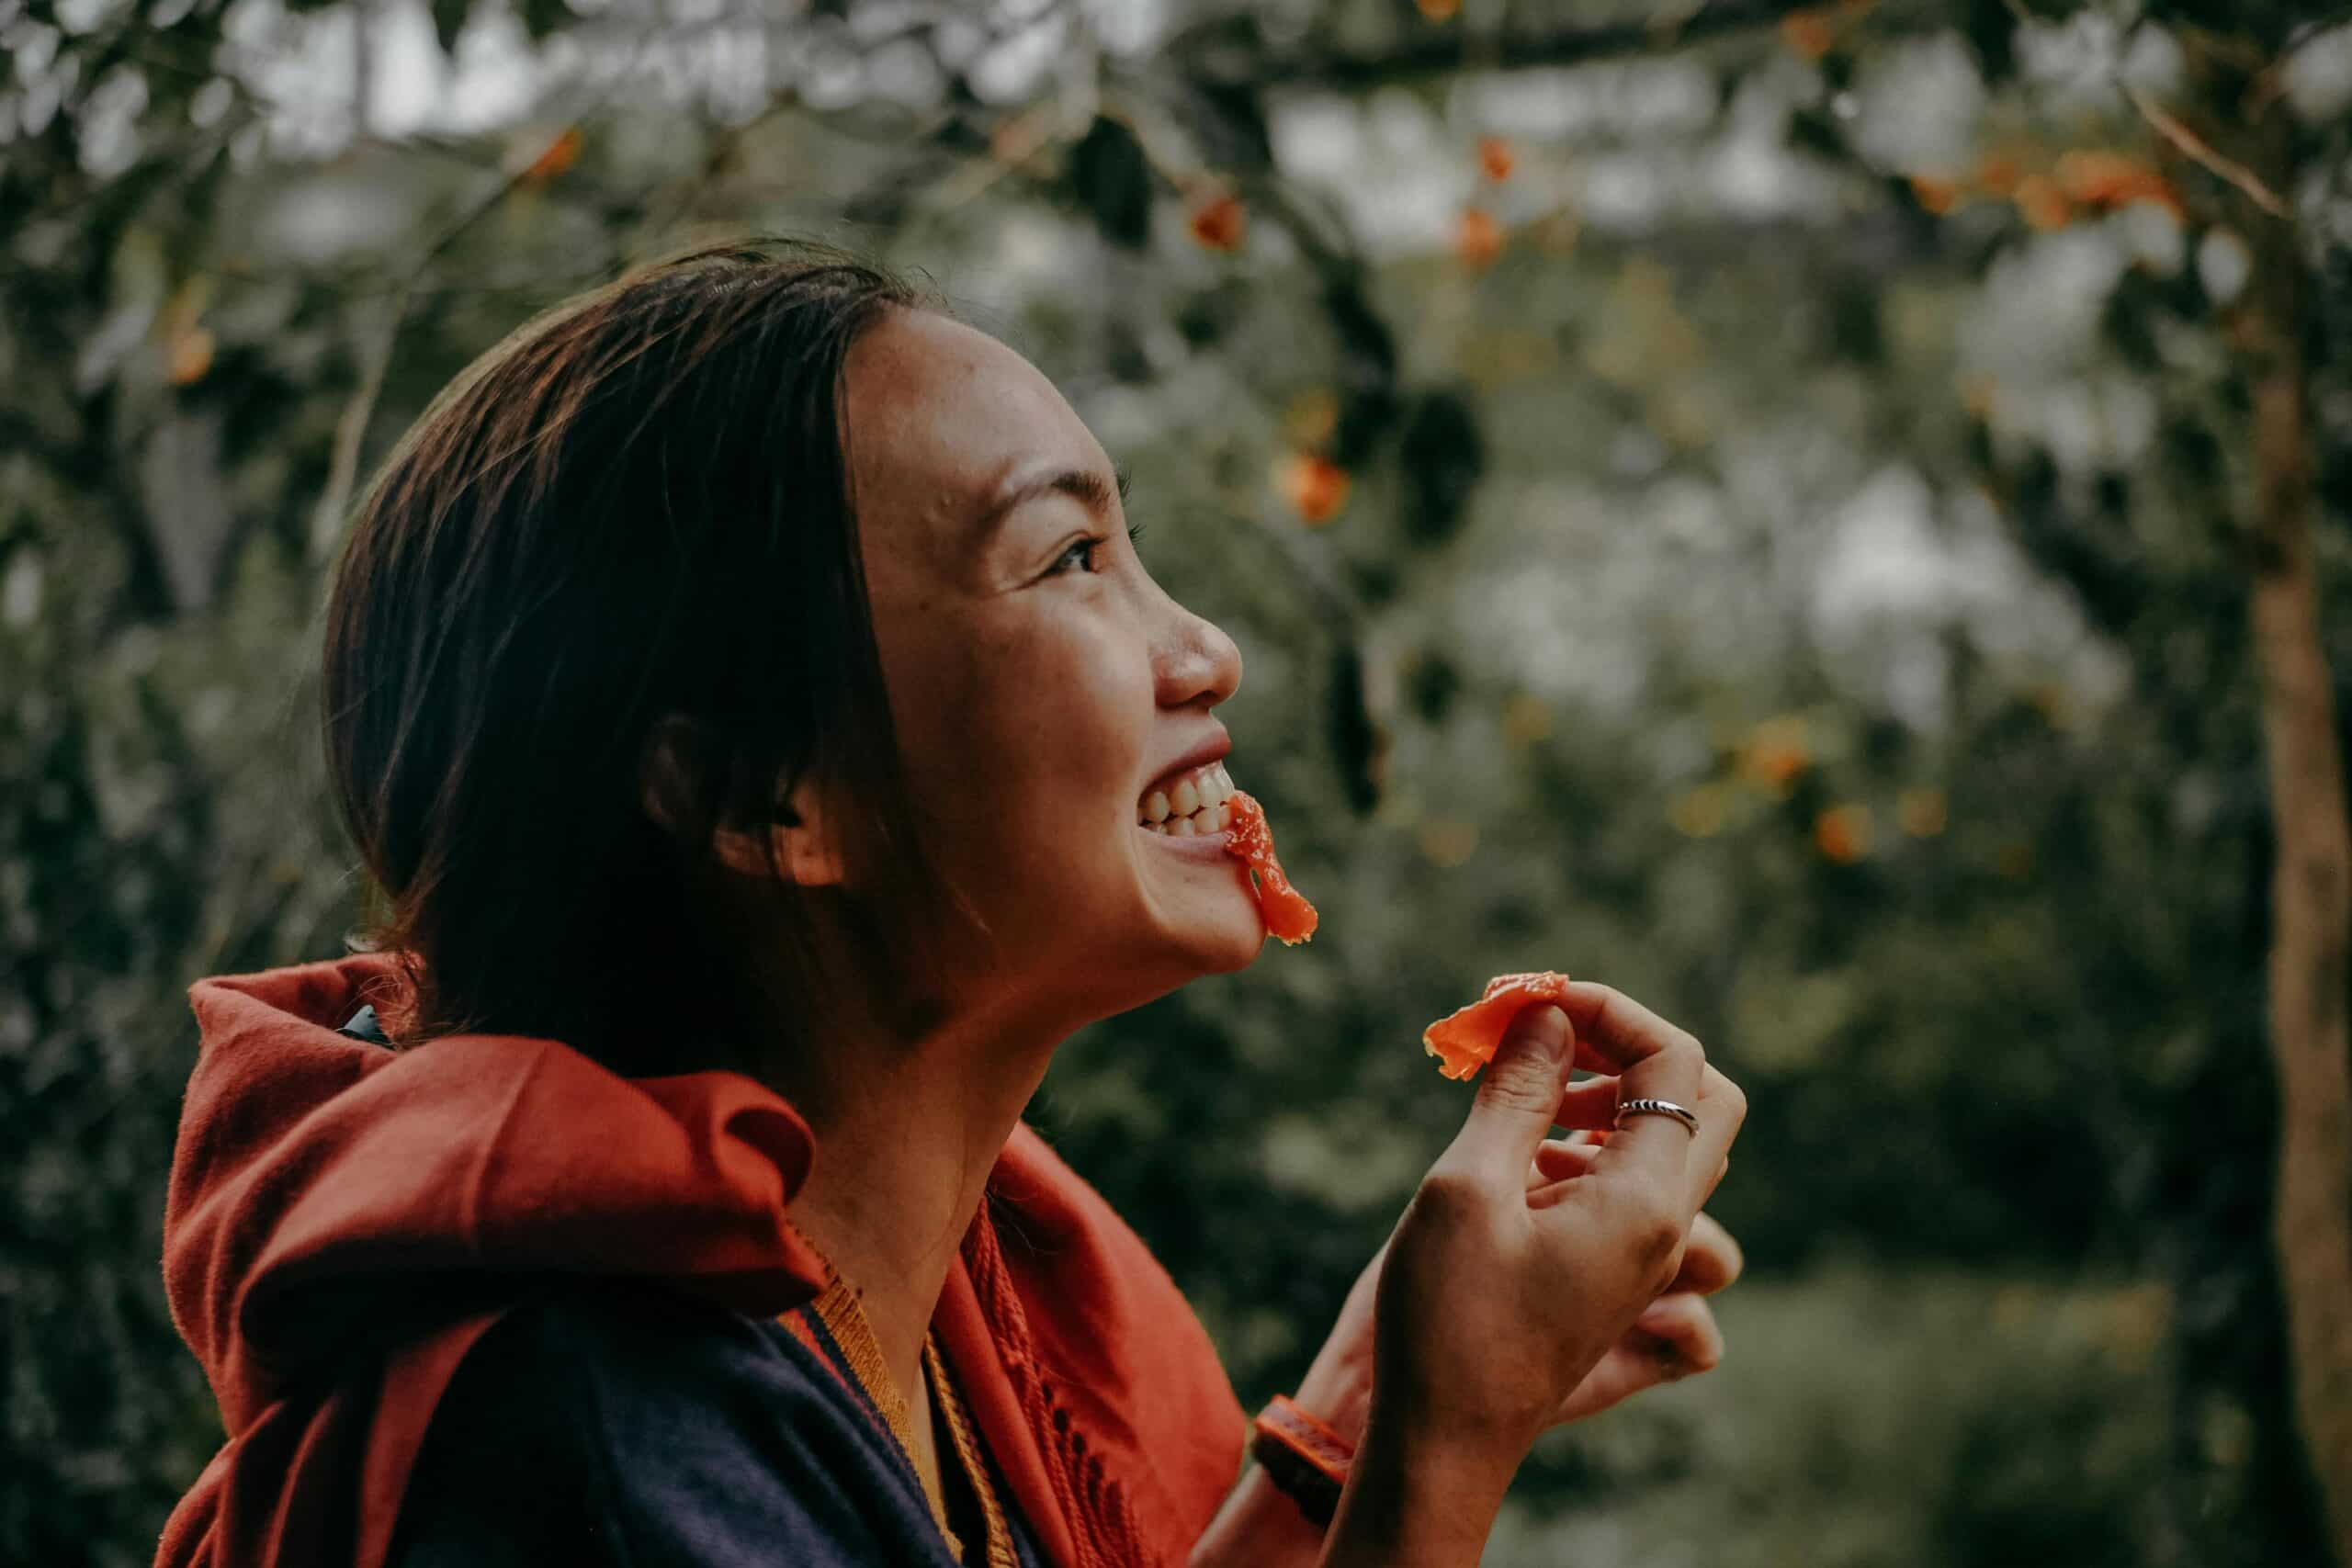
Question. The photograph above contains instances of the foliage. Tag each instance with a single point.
(1779, 557)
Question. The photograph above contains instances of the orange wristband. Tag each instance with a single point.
(1302, 1456)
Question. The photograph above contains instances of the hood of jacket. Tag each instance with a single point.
(344, 1219)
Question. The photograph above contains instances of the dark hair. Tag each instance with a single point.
(622, 546)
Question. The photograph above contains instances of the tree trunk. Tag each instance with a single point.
(2310, 981)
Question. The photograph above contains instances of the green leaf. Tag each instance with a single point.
(449, 21)
(1357, 742)
(1111, 178)
(541, 18)
(1441, 455)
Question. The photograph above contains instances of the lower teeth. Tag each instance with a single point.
(1208, 820)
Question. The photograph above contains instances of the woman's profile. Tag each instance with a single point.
(765, 747)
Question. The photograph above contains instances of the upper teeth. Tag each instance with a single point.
(1203, 791)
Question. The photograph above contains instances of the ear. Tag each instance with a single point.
(800, 827)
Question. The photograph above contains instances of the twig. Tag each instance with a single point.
(1014, 145)
(1453, 49)
(2202, 152)
(2303, 32)
(2271, 81)
(351, 429)
(1339, 607)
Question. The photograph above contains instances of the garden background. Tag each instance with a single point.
(1799, 513)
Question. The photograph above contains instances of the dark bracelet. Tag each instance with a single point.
(1304, 1456)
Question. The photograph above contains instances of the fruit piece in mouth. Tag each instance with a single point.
(1464, 1040)
(1287, 914)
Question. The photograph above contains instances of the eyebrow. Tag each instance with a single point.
(1086, 486)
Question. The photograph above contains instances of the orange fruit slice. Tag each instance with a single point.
(1286, 913)
(1464, 1040)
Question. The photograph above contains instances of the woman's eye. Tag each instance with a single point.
(1087, 547)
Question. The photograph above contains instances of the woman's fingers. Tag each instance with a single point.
(1592, 1103)
(1518, 1094)
(1557, 1162)
(1614, 1033)
(1675, 1339)
(1721, 1109)
(1557, 1159)
(1684, 1328)
(1654, 1059)
(1710, 1259)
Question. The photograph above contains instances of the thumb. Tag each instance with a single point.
(1520, 1093)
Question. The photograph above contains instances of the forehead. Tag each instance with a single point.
(938, 415)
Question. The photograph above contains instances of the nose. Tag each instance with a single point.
(1193, 660)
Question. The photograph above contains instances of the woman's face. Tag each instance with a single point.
(1043, 686)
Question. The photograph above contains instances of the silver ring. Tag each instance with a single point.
(1658, 1108)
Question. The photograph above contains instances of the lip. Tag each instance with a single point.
(1215, 750)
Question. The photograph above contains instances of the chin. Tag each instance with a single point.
(1228, 954)
(1170, 966)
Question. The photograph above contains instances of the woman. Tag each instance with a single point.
(748, 702)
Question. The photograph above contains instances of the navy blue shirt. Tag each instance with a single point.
(613, 1424)
(618, 1423)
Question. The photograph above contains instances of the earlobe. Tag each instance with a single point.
(799, 827)
(801, 833)
(812, 848)
(664, 785)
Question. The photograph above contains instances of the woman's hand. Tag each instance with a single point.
(1675, 1336)
(1496, 1302)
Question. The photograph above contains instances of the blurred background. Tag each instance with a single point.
(1797, 511)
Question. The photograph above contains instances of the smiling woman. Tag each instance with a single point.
(766, 747)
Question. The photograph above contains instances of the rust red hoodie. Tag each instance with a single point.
(344, 1223)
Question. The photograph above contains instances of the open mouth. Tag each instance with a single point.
(1188, 804)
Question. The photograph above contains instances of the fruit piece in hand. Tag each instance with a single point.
(1464, 1040)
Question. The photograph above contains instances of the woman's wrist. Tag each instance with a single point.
(1259, 1527)
(1337, 1391)
(1411, 1501)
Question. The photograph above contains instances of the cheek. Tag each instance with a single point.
(1087, 705)
(991, 718)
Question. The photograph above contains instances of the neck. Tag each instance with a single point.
(906, 1136)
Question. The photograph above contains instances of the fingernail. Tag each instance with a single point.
(1548, 1026)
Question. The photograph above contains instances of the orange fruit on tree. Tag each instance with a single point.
(2104, 179)
(1477, 238)
(1842, 833)
(189, 356)
(1314, 486)
(2043, 204)
(1934, 194)
(1997, 174)
(558, 156)
(1218, 221)
(1807, 34)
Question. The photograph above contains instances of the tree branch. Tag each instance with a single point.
(2202, 152)
(351, 429)
(1212, 58)
(2303, 32)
